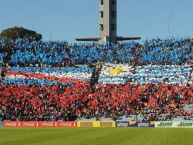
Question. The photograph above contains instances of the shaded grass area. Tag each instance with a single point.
(95, 136)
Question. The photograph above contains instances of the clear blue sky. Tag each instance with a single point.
(67, 19)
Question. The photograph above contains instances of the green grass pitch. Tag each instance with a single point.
(95, 136)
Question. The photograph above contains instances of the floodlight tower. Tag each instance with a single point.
(108, 24)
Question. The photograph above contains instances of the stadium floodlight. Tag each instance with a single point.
(108, 24)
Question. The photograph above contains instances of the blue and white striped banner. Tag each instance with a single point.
(120, 74)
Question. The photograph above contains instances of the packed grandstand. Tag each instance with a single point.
(52, 81)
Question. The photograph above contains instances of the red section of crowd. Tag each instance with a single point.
(29, 103)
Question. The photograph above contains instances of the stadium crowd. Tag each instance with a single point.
(57, 54)
(153, 101)
(43, 95)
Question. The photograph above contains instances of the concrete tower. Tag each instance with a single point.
(108, 24)
(108, 21)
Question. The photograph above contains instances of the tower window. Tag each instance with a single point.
(113, 27)
(113, 2)
(102, 2)
(102, 14)
(101, 27)
(113, 14)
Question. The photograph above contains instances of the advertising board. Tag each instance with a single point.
(174, 124)
(85, 124)
(141, 124)
(96, 124)
(39, 124)
(66, 124)
(1, 123)
(11, 124)
(134, 124)
(164, 124)
(107, 124)
(47, 124)
(28, 124)
(122, 124)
